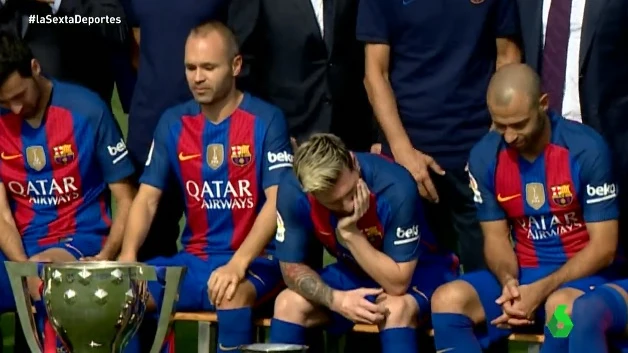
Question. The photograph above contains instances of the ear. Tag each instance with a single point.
(236, 65)
(35, 67)
(544, 102)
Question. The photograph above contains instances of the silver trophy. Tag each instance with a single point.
(94, 307)
(273, 347)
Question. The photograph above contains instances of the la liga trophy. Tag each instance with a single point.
(94, 307)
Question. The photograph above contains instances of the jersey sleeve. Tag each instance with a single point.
(598, 186)
(277, 150)
(482, 184)
(507, 20)
(157, 167)
(111, 150)
(372, 26)
(402, 233)
(294, 225)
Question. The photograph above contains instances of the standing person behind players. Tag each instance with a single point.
(547, 183)
(227, 150)
(61, 158)
(367, 213)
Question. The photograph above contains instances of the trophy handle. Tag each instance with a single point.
(171, 291)
(18, 271)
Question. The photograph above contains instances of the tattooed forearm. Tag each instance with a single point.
(303, 280)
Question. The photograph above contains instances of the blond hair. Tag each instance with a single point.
(319, 161)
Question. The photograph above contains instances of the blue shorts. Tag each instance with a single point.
(489, 289)
(424, 282)
(78, 246)
(263, 273)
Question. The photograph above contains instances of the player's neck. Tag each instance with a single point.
(218, 111)
(42, 106)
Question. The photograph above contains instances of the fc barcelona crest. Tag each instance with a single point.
(36, 157)
(535, 195)
(215, 155)
(373, 235)
(561, 195)
(63, 154)
(241, 155)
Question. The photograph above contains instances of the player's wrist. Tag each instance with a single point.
(240, 262)
(337, 297)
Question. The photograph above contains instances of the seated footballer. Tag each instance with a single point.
(546, 185)
(227, 150)
(62, 157)
(366, 211)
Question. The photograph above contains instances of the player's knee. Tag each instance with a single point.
(244, 296)
(454, 297)
(565, 296)
(402, 311)
(292, 307)
(595, 310)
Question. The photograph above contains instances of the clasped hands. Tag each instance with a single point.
(519, 304)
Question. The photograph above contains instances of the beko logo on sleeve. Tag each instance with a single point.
(601, 192)
(408, 235)
(118, 151)
(281, 159)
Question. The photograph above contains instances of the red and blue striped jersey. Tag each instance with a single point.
(549, 201)
(223, 169)
(56, 175)
(394, 223)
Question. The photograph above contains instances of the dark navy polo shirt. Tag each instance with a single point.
(442, 56)
(161, 84)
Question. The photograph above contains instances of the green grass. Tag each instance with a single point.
(185, 332)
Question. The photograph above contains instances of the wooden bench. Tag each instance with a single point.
(207, 320)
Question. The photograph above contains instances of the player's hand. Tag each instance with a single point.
(223, 282)
(102, 256)
(376, 148)
(294, 144)
(348, 225)
(419, 165)
(354, 306)
(510, 292)
(521, 311)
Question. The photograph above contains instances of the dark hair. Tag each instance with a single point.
(227, 34)
(15, 55)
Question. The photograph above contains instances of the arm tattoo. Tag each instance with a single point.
(303, 280)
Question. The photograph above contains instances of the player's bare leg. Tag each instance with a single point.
(397, 333)
(293, 316)
(562, 297)
(49, 255)
(292, 308)
(456, 306)
(403, 311)
(598, 314)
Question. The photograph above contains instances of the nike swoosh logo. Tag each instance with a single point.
(445, 350)
(10, 157)
(227, 349)
(183, 157)
(501, 198)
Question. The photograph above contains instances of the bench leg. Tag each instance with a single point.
(534, 348)
(204, 336)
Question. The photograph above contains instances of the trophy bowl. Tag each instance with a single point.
(273, 347)
(93, 307)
